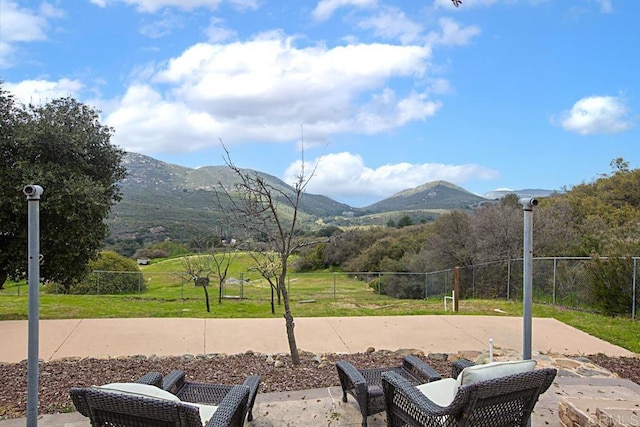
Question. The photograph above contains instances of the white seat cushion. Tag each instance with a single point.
(492, 370)
(206, 411)
(144, 390)
(440, 392)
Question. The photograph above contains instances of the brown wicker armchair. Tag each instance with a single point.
(199, 392)
(505, 401)
(365, 385)
(109, 408)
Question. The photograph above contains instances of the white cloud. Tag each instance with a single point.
(217, 32)
(262, 90)
(596, 115)
(162, 27)
(451, 33)
(152, 6)
(345, 176)
(392, 23)
(605, 5)
(325, 8)
(42, 91)
(22, 25)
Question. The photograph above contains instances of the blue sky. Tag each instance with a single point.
(386, 94)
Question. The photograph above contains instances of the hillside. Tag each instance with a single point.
(164, 201)
(161, 200)
(432, 195)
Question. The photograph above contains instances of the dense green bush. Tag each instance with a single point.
(611, 284)
(111, 273)
(402, 286)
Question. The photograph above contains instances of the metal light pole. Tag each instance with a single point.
(33, 193)
(527, 273)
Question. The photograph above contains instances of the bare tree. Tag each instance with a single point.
(198, 268)
(269, 213)
(222, 259)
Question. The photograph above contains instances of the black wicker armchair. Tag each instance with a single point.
(199, 392)
(365, 385)
(106, 408)
(505, 401)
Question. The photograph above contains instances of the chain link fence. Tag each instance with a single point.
(560, 281)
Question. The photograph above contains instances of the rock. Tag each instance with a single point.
(371, 350)
(278, 364)
(442, 357)
(270, 359)
(469, 354)
(567, 373)
(585, 372)
(482, 359)
(410, 351)
(566, 363)
(317, 358)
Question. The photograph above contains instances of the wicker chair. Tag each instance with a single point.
(500, 402)
(365, 385)
(207, 393)
(108, 409)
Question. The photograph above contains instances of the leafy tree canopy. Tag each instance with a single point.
(63, 147)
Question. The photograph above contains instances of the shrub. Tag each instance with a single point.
(111, 273)
(611, 284)
(402, 286)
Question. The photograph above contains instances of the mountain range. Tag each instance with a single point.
(165, 201)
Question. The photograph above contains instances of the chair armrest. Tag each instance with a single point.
(79, 399)
(151, 378)
(173, 382)
(252, 382)
(349, 375)
(419, 369)
(403, 399)
(458, 366)
(352, 381)
(232, 409)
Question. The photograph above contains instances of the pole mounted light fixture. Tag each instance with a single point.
(527, 273)
(33, 193)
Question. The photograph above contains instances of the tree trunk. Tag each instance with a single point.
(206, 297)
(273, 307)
(288, 317)
(220, 292)
(3, 278)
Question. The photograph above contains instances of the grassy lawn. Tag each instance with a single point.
(312, 295)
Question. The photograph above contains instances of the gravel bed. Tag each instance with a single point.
(314, 371)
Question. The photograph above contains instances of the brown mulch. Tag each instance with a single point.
(57, 377)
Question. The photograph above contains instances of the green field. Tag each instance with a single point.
(312, 295)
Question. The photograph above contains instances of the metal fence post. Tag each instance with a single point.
(473, 280)
(633, 299)
(508, 278)
(426, 285)
(334, 285)
(555, 268)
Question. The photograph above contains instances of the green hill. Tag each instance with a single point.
(162, 201)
